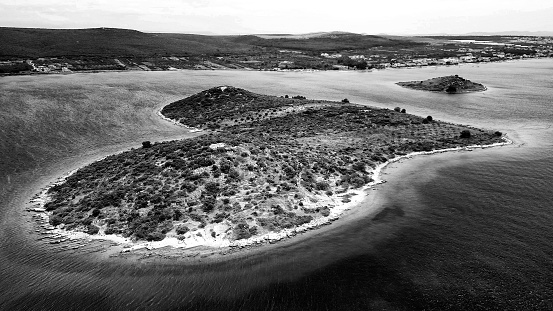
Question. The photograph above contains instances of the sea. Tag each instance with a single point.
(459, 231)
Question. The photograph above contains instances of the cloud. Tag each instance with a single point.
(291, 16)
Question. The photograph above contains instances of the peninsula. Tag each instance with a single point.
(265, 165)
(448, 84)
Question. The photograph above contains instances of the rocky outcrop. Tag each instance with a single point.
(448, 84)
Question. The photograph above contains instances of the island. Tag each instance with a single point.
(448, 84)
(265, 168)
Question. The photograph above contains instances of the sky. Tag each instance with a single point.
(399, 17)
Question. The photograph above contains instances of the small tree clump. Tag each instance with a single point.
(451, 89)
(146, 144)
(465, 134)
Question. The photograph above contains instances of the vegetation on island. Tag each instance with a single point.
(448, 84)
(273, 163)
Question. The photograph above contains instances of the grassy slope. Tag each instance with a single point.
(255, 176)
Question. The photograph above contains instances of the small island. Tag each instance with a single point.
(267, 167)
(448, 84)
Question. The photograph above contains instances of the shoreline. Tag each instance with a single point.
(273, 69)
(221, 245)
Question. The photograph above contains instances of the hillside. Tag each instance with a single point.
(335, 41)
(448, 84)
(111, 42)
(254, 177)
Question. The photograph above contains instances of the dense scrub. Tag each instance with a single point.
(272, 173)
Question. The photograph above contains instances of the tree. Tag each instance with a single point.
(146, 144)
(451, 89)
(345, 100)
(397, 109)
(403, 110)
(465, 134)
(429, 118)
(182, 229)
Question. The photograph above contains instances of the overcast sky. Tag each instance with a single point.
(283, 16)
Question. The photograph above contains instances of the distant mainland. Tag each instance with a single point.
(266, 168)
(65, 51)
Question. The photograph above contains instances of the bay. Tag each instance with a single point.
(456, 231)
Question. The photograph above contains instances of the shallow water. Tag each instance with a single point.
(465, 231)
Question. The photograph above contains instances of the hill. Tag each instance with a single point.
(255, 177)
(112, 42)
(109, 42)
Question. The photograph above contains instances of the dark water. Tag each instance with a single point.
(457, 232)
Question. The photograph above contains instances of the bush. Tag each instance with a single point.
(345, 101)
(398, 109)
(92, 229)
(429, 118)
(451, 89)
(322, 185)
(403, 111)
(146, 144)
(465, 134)
(212, 188)
(182, 229)
(55, 220)
(242, 231)
(498, 133)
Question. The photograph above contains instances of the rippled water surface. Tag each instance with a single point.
(459, 231)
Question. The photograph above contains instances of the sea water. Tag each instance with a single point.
(466, 231)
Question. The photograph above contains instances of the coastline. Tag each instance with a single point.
(274, 69)
(221, 245)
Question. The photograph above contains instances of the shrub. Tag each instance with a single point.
(92, 229)
(451, 89)
(146, 144)
(398, 109)
(241, 231)
(55, 220)
(465, 134)
(322, 185)
(498, 133)
(429, 118)
(182, 229)
(403, 111)
(209, 203)
(212, 188)
(345, 100)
